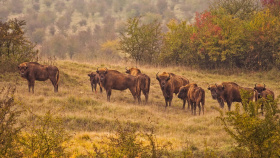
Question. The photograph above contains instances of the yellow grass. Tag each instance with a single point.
(89, 117)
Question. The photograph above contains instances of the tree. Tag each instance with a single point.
(142, 41)
(240, 8)
(14, 47)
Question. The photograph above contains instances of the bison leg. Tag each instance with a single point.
(188, 104)
(108, 95)
(92, 87)
(95, 88)
(31, 85)
(221, 102)
(184, 103)
(198, 104)
(100, 89)
(54, 83)
(146, 96)
(229, 105)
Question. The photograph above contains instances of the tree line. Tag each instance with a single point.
(221, 37)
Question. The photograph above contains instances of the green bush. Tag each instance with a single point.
(258, 135)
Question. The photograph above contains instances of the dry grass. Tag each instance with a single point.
(88, 116)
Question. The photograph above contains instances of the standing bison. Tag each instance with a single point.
(143, 81)
(263, 93)
(169, 84)
(94, 80)
(113, 79)
(230, 92)
(194, 95)
(34, 71)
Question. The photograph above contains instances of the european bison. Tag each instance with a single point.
(230, 92)
(194, 95)
(34, 71)
(143, 81)
(113, 79)
(169, 84)
(94, 80)
(263, 93)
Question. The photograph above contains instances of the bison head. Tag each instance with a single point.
(183, 92)
(217, 91)
(92, 77)
(133, 71)
(23, 67)
(102, 74)
(259, 88)
(163, 79)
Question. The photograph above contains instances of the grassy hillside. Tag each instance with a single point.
(89, 117)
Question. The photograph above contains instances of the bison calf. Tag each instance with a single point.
(94, 80)
(169, 84)
(34, 71)
(112, 79)
(143, 82)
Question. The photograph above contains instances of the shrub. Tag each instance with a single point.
(254, 133)
(8, 120)
(43, 136)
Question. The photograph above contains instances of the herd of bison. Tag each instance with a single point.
(138, 82)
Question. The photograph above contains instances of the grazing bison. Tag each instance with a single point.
(34, 71)
(230, 92)
(143, 81)
(195, 96)
(169, 84)
(94, 80)
(113, 79)
(263, 93)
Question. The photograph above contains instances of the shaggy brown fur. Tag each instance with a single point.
(144, 81)
(230, 92)
(169, 84)
(113, 79)
(34, 71)
(94, 80)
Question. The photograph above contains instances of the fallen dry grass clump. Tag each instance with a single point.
(91, 126)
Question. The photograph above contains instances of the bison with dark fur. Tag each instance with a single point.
(194, 95)
(94, 80)
(113, 79)
(169, 84)
(34, 71)
(230, 92)
(143, 81)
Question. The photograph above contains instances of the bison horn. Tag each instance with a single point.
(168, 76)
(256, 85)
(216, 84)
(106, 69)
(125, 68)
(157, 74)
(263, 85)
(97, 68)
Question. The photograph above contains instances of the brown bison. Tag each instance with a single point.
(34, 71)
(169, 84)
(144, 81)
(94, 80)
(263, 93)
(194, 95)
(113, 79)
(230, 92)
